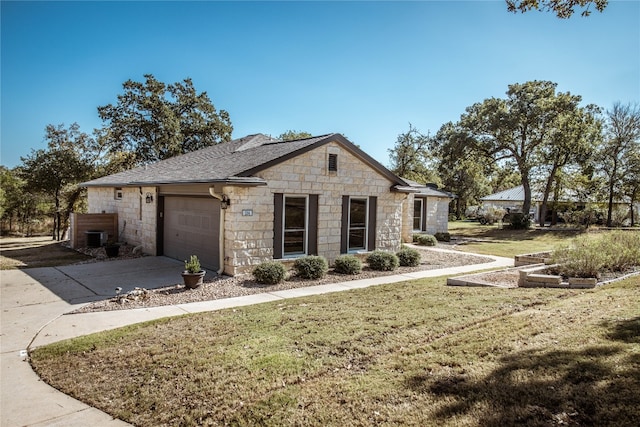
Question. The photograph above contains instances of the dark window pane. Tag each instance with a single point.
(294, 242)
(356, 239)
(295, 213)
(358, 212)
(417, 214)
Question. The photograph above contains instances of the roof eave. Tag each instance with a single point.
(240, 181)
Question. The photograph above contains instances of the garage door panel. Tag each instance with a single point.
(191, 227)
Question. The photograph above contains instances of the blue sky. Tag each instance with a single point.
(363, 69)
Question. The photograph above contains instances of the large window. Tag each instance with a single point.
(295, 226)
(417, 214)
(357, 224)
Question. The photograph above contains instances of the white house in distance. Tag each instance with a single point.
(254, 199)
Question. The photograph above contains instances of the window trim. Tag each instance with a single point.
(306, 225)
(117, 193)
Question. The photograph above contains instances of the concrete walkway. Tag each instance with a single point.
(34, 303)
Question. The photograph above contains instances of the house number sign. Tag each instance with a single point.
(247, 212)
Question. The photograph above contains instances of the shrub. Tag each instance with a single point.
(347, 264)
(408, 257)
(588, 257)
(270, 272)
(383, 261)
(311, 267)
(519, 221)
(442, 236)
(426, 240)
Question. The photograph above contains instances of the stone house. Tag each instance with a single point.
(253, 199)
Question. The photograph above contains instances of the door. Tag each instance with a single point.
(191, 227)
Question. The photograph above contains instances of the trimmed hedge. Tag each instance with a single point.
(311, 267)
(383, 261)
(409, 257)
(270, 272)
(347, 264)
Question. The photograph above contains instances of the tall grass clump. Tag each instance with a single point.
(588, 257)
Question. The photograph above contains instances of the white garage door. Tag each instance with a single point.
(191, 227)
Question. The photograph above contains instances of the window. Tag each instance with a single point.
(333, 162)
(295, 226)
(357, 224)
(117, 194)
(417, 214)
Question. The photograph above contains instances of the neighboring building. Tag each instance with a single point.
(240, 203)
(513, 199)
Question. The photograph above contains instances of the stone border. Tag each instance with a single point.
(532, 259)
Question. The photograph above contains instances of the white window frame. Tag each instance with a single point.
(413, 217)
(366, 225)
(305, 231)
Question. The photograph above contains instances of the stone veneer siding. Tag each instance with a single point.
(437, 216)
(249, 239)
(136, 218)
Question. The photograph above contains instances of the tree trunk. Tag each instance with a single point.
(526, 205)
(612, 180)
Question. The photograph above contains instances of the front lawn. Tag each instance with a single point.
(494, 240)
(416, 353)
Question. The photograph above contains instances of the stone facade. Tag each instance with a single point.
(437, 216)
(136, 217)
(249, 239)
(249, 218)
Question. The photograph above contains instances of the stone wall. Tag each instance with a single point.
(136, 217)
(437, 216)
(249, 239)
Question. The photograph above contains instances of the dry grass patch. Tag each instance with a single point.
(416, 353)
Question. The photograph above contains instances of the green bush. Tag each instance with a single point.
(311, 267)
(383, 261)
(426, 240)
(347, 264)
(519, 221)
(408, 257)
(442, 236)
(270, 272)
(588, 257)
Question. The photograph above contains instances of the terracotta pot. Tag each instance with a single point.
(193, 280)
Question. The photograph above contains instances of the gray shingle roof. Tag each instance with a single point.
(233, 161)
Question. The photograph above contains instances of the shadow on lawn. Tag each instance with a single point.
(594, 386)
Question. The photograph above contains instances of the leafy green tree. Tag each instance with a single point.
(519, 128)
(571, 142)
(460, 170)
(562, 8)
(155, 121)
(12, 197)
(292, 135)
(617, 153)
(410, 157)
(69, 159)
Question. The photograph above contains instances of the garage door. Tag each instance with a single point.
(191, 227)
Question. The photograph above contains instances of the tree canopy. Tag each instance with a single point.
(562, 8)
(292, 135)
(410, 157)
(153, 121)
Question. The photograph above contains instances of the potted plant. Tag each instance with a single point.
(193, 274)
(112, 248)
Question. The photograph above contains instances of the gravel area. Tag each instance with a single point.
(227, 287)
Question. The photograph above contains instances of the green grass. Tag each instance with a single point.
(493, 240)
(416, 353)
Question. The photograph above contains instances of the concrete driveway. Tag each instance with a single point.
(32, 298)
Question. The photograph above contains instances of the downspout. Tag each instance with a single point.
(221, 197)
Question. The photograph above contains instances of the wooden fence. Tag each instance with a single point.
(81, 223)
